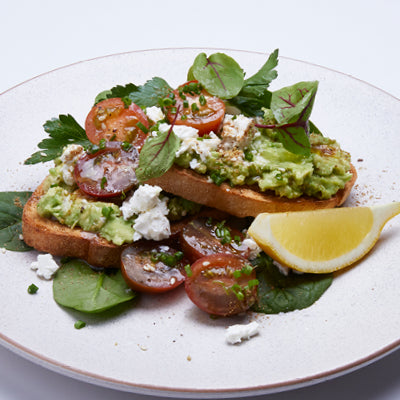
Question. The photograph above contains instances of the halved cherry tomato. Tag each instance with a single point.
(196, 108)
(110, 120)
(109, 172)
(204, 236)
(222, 284)
(152, 267)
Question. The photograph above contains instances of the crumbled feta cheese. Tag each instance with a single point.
(194, 163)
(69, 157)
(155, 113)
(145, 198)
(282, 268)
(45, 266)
(236, 131)
(250, 245)
(3, 250)
(151, 222)
(236, 333)
(190, 143)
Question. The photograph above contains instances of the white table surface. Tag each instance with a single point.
(359, 38)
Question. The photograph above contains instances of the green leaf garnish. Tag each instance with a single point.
(11, 207)
(219, 74)
(147, 95)
(63, 131)
(254, 95)
(291, 107)
(78, 286)
(279, 293)
(157, 155)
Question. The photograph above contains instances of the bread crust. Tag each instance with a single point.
(241, 201)
(50, 236)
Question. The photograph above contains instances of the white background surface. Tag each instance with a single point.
(359, 38)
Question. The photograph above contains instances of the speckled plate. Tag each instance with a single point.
(164, 345)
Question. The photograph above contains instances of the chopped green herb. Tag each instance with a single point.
(79, 324)
(126, 146)
(142, 127)
(32, 289)
(194, 107)
(188, 270)
(103, 182)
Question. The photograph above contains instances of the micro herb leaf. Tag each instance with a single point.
(78, 286)
(279, 293)
(11, 207)
(219, 74)
(146, 95)
(157, 155)
(63, 131)
(291, 107)
(149, 94)
(254, 95)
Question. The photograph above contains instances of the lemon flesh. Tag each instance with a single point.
(321, 241)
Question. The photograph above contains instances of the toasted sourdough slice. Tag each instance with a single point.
(241, 201)
(59, 240)
(50, 236)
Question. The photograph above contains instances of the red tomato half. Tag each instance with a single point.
(110, 120)
(197, 109)
(222, 284)
(109, 172)
(204, 236)
(152, 267)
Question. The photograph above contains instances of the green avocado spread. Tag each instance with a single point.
(265, 162)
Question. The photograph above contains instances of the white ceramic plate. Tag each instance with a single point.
(165, 346)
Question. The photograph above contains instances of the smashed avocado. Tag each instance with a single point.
(266, 163)
(73, 210)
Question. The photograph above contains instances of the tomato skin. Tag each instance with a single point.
(144, 274)
(210, 286)
(110, 120)
(209, 116)
(199, 238)
(109, 172)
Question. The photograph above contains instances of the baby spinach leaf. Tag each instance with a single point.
(78, 286)
(63, 131)
(11, 207)
(157, 155)
(279, 293)
(146, 95)
(219, 74)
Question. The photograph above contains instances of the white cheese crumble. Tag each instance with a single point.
(155, 113)
(236, 131)
(251, 246)
(45, 266)
(236, 333)
(189, 141)
(151, 222)
(282, 268)
(69, 157)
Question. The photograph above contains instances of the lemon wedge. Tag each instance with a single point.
(321, 241)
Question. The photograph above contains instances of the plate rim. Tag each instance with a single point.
(100, 380)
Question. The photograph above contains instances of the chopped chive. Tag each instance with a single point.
(32, 289)
(185, 104)
(202, 100)
(195, 107)
(103, 182)
(79, 324)
(126, 146)
(188, 270)
(142, 127)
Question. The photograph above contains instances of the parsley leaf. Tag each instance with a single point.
(11, 207)
(254, 94)
(146, 95)
(63, 131)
